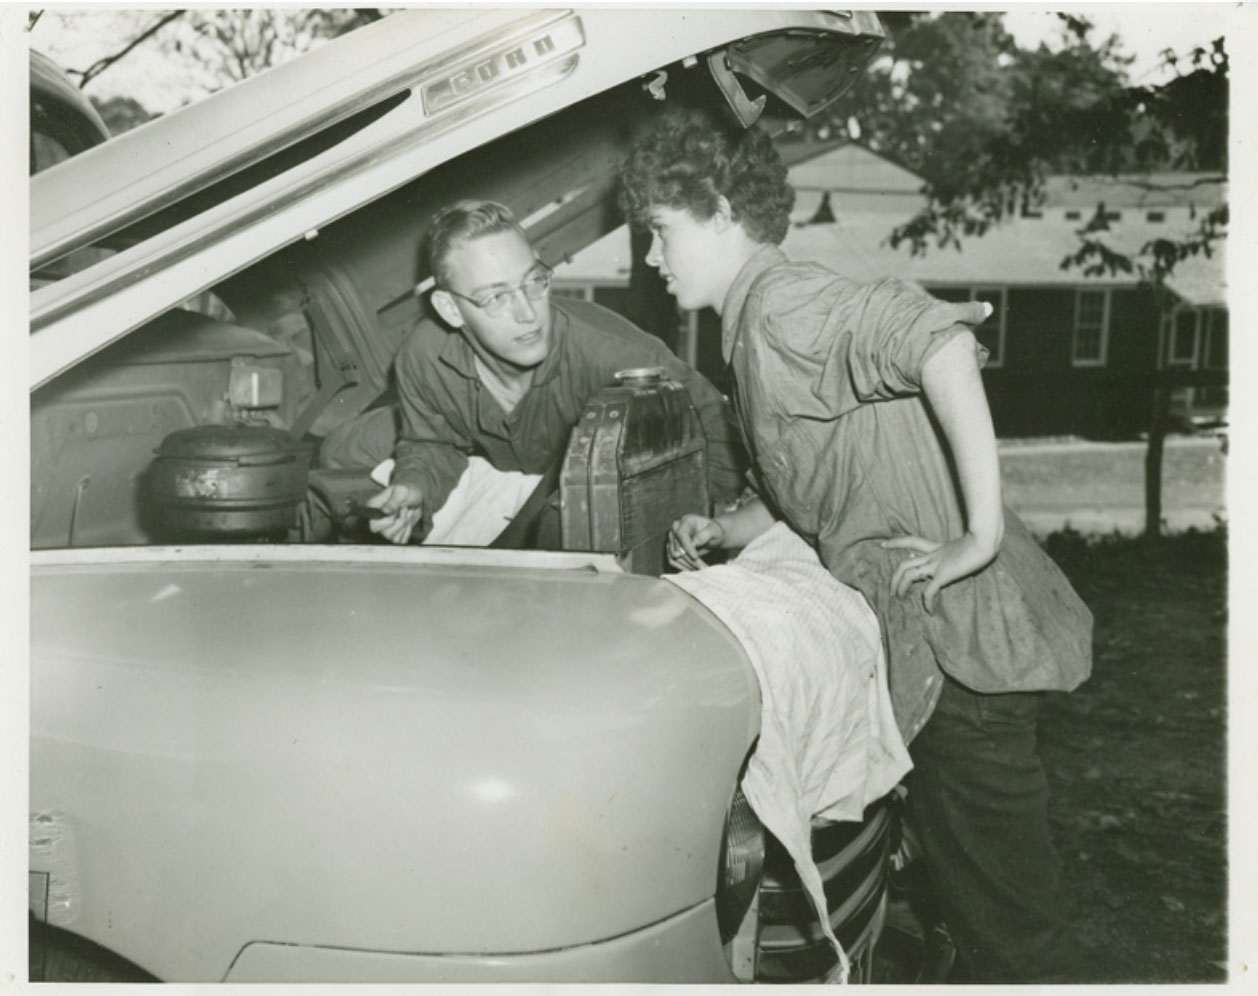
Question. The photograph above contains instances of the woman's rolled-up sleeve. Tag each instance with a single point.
(895, 329)
(823, 345)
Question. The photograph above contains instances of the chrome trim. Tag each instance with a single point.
(306, 555)
(489, 71)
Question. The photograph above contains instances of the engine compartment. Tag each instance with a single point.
(197, 430)
(95, 430)
(302, 338)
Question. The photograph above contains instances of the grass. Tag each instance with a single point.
(1136, 758)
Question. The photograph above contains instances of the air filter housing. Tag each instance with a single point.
(228, 482)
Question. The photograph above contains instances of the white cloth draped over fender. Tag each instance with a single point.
(829, 744)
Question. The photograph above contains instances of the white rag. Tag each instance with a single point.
(829, 744)
(479, 507)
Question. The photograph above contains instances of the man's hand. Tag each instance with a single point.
(402, 505)
(690, 537)
(938, 563)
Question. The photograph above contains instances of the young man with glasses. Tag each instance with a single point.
(511, 380)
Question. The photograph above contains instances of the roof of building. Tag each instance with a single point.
(1130, 190)
(1202, 280)
(852, 167)
(605, 261)
(838, 165)
(891, 205)
(795, 151)
(1023, 252)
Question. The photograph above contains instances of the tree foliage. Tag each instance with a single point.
(213, 47)
(232, 45)
(100, 65)
(121, 113)
(954, 99)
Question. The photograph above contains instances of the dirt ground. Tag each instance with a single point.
(1136, 757)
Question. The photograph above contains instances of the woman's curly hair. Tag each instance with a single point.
(689, 160)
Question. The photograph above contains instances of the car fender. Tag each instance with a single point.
(238, 744)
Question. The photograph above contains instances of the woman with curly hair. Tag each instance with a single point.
(864, 412)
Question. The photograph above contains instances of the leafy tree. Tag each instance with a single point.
(983, 121)
(135, 38)
(122, 113)
(232, 45)
(215, 47)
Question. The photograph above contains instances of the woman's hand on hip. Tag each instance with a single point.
(938, 564)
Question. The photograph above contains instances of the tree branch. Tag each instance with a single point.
(100, 65)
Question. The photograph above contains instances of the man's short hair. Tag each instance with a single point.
(689, 160)
(459, 223)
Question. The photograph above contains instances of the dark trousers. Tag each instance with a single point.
(977, 801)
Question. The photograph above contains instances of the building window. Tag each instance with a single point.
(991, 333)
(1113, 216)
(950, 293)
(1216, 340)
(1183, 345)
(1156, 216)
(1073, 215)
(1091, 335)
(578, 293)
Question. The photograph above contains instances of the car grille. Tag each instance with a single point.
(853, 860)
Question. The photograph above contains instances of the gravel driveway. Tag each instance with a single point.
(1098, 488)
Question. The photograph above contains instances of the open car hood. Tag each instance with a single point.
(188, 200)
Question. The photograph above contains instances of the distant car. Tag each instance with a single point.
(264, 749)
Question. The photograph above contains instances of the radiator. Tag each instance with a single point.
(635, 463)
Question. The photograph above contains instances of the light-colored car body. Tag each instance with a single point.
(334, 762)
(450, 754)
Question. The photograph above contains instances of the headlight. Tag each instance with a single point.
(742, 861)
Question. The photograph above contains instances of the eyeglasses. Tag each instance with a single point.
(535, 287)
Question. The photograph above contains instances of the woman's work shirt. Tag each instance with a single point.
(829, 395)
